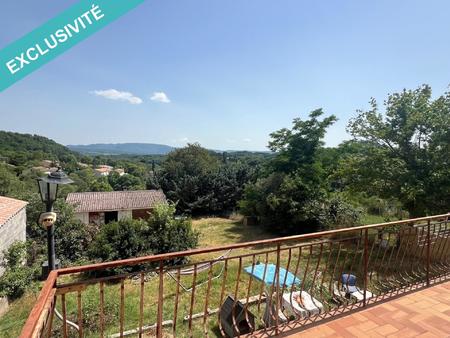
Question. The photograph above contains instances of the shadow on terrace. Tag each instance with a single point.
(259, 288)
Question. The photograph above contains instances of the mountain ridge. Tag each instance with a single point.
(138, 148)
(122, 148)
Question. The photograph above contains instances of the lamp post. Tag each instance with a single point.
(48, 189)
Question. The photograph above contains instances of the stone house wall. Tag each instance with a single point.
(13, 230)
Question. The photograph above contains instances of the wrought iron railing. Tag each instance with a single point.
(256, 288)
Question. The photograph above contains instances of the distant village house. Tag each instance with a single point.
(13, 223)
(105, 170)
(104, 207)
(82, 165)
(46, 167)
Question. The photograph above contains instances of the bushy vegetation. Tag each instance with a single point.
(202, 183)
(18, 275)
(78, 243)
(407, 149)
(162, 232)
(293, 196)
(396, 166)
(119, 240)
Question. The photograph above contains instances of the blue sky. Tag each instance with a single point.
(233, 71)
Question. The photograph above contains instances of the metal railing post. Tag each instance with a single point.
(160, 300)
(366, 262)
(428, 252)
(277, 293)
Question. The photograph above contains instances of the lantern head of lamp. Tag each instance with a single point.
(47, 219)
(48, 185)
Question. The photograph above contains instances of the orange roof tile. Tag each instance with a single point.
(9, 207)
(115, 200)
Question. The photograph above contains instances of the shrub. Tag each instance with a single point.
(340, 213)
(15, 255)
(17, 276)
(285, 203)
(168, 233)
(15, 281)
(119, 240)
(161, 233)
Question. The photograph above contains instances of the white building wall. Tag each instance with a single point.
(83, 217)
(122, 214)
(12, 231)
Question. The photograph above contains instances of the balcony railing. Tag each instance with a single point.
(259, 288)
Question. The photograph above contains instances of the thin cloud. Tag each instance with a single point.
(160, 97)
(247, 140)
(113, 94)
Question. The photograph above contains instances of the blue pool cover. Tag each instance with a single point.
(269, 277)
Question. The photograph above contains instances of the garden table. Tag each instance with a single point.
(265, 273)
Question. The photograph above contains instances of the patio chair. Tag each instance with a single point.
(351, 290)
(302, 304)
(200, 268)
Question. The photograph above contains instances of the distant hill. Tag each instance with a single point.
(22, 147)
(122, 149)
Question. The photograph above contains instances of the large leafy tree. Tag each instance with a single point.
(185, 178)
(297, 147)
(125, 182)
(407, 153)
(202, 182)
(292, 197)
(227, 185)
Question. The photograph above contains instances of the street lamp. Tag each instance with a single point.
(48, 188)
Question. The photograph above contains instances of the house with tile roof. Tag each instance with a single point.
(104, 207)
(13, 223)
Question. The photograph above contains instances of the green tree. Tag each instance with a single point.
(100, 184)
(185, 178)
(125, 182)
(192, 160)
(227, 185)
(409, 144)
(202, 182)
(297, 148)
(293, 195)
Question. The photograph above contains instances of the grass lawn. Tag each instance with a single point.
(221, 231)
(375, 219)
(12, 322)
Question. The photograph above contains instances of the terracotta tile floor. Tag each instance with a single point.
(424, 313)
